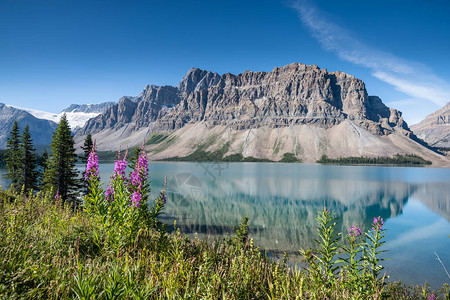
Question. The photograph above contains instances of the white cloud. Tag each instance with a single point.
(424, 90)
(412, 78)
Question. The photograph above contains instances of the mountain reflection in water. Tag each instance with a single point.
(282, 213)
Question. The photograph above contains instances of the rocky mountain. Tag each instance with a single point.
(297, 108)
(435, 128)
(41, 130)
(88, 108)
(77, 114)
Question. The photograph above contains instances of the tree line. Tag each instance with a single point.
(398, 159)
(54, 172)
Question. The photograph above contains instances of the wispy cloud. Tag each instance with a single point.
(412, 78)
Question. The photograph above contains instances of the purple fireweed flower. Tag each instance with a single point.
(354, 231)
(109, 194)
(140, 172)
(377, 223)
(57, 197)
(92, 166)
(431, 297)
(163, 198)
(119, 168)
(136, 199)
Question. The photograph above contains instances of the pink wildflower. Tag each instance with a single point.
(377, 223)
(354, 231)
(119, 168)
(136, 199)
(92, 166)
(140, 172)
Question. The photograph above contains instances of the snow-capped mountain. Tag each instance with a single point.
(41, 129)
(77, 114)
(42, 123)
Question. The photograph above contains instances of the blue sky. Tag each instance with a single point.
(57, 52)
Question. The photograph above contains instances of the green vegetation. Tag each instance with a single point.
(201, 155)
(3, 157)
(87, 147)
(21, 160)
(49, 251)
(14, 157)
(29, 176)
(216, 156)
(165, 143)
(107, 156)
(276, 146)
(156, 138)
(61, 175)
(113, 246)
(240, 158)
(161, 140)
(407, 159)
(134, 157)
(110, 156)
(289, 158)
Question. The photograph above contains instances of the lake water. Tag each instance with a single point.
(281, 201)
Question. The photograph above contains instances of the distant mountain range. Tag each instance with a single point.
(298, 109)
(42, 123)
(435, 128)
(41, 130)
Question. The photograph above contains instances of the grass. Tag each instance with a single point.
(156, 138)
(164, 143)
(49, 251)
(407, 159)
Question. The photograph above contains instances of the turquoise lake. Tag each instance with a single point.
(281, 201)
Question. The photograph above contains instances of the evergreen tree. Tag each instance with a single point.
(29, 177)
(87, 147)
(43, 160)
(134, 157)
(61, 174)
(42, 167)
(13, 157)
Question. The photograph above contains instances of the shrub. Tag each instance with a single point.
(121, 210)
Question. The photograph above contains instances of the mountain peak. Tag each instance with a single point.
(435, 128)
(297, 108)
(197, 79)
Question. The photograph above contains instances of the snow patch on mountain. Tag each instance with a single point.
(76, 119)
(77, 115)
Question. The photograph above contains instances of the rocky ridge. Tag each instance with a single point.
(296, 108)
(88, 108)
(435, 128)
(41, 130)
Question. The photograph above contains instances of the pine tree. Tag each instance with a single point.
(134, 157)
(13, 159)
(61, 174)
(43, 160)
(29, 176)
(42, 167)
(87, 147)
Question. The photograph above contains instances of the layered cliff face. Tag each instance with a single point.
(435, 128)
(292, 95)
(134, 113)
(297, 108)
